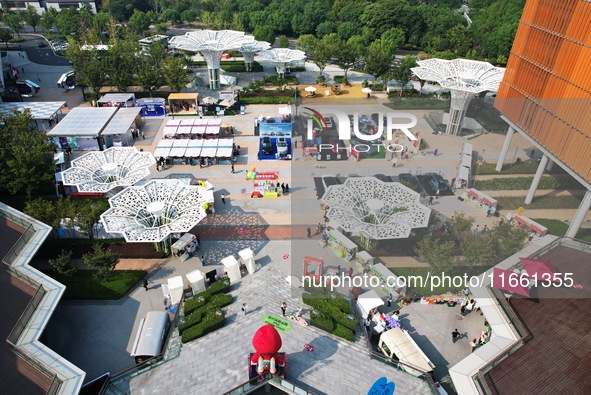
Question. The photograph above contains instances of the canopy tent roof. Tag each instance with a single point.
(39, 110)
(245, 254)
(170, 130)
(163, 148)
(461, 74)
(406, 349)
(369, 301)
(183, 96)
(209, 148)
(224, 148)
(464, 173)
(210, 40)
(194, 148)
(375, 209)
(466, 160)
(198, 129)
(282, 55)
(84, 122)
(122, 121)
(179, 146)
(117, 98)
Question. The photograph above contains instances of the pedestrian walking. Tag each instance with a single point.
(435, 152)
(286, 188)
(203, 260)
(437, 192)
(308, 232)
(232, 168)
(224, 199)
(39, 78)
(455, 335)
(23, 69)
(473, 345)
(394, 161)
(350, 272)
(244, 308)
(367, 324)
(463, 310)
(389, 300)
(145, 284)
(282, 188)
(283, 308)
(430, 200)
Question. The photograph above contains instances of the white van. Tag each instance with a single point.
(397, 343)
(67, 80)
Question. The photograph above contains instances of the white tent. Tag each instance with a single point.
(163, 148)
(169, 131)
(232, 268)
(247, 257)
(179, 147)
(197, 281)
(175, 289)
(210, 147)
(194, 148)
(368, 301)
(464, 173)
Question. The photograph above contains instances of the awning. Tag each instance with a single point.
(466, 161)
(224, 148)
(210, 148)
(170, 131)
(84, 122)
(198, 129)
(163, 148)
(183, 96)
(179, 146)
(194, 148)
(122, 121)
(543, 270)
(369, 301)
(463, 173)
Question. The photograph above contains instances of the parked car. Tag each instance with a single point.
(41, 44)
(429, 183)
(412, 182)
(267, 146)
(281, 146)
(444, 187)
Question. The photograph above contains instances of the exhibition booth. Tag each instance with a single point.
(152, 106)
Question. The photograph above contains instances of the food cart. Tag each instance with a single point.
(480, 201)
(388, 281)
(363, 260)
(175, 289)
(197, 280)
(265, 185)
(531, 225)
(179, 248)
(232, 269)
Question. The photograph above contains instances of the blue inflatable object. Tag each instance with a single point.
(382, 387)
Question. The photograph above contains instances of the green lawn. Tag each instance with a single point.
(82, 285)
(542, 202)
(426, 290)
(416, 103)
(517, 168)
(560, 181)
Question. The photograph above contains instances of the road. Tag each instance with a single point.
(44, 56)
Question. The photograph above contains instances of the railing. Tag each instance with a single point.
(264, 379)
(23, 320)
(55, 384)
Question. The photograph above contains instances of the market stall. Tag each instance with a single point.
(265, 183)
(388, 281)
(533, 226)
(152, 106)
(117, 100)
(340, 244)
(175, 289)
(368, 303)
(480, 201)
(363, 260)
(247, 259)
(179, 146)
(179, 248)
(163, 149)
(197, 280)
(183, 102)
(232, 269)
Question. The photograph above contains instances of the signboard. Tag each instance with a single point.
(267, 175)
(275, 129)
(278, 323)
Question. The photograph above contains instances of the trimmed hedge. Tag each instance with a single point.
(208, 296)
(216, 302)
(190, 320)
(321, 321)
(343, 332)
(212, 321)
(265, 99)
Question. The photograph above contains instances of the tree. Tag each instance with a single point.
(63, 263)
(91, 66)
(264, 33)
(103, 261)
(139, 22)
(402, 73)
(149, 70)
(282, 41)
(174, 71)
(461, 225)
(322, 54)
(44, 211)
(306, 43)
(122, 62)
(325, 28)
(48, 19)
(435, 252)
(15, 22)
(379, 58)
(508, 240)
(67, 21)
(346, 55)
(478, 249)
(87, 214)
(32, 18)
(26, 154)
(5, 35)
(170, 15)
(189, 16)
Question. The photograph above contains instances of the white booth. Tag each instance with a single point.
(175, 289)
(197, 280)
(367, 302)
(232, 269)
(247, 258)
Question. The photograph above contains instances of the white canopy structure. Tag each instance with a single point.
(249, 49)
(151, 212)
(212, 44)
(210, 148)
(179, 146)
(197, 280)
(102, 171)
(368, 301)
(169, 131)
(117, 99)
(41, 112)
(163, 148)
(85, 123)
(375, 209)
(175, 289)
(247, 258)
(224, 148)
(464, 78)
(281, 57)
(232, 268)
(194, 148)
(121, 126)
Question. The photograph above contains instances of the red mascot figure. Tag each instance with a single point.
(267, 342)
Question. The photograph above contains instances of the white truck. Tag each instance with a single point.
(396, 343)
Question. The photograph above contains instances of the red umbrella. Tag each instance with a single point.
(540, 268)
(509, 281)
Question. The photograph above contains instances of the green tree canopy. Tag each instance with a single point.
(175, 73)
(435, 252)
(103, 261)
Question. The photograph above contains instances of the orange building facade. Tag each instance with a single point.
(546, 91)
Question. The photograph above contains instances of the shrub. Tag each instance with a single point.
(212, 321)
(321, 321)
(343, 304)
(343, 332)
(266, 100)
(195, 303)
(220, 300)
(221, 286)
(190, 320)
